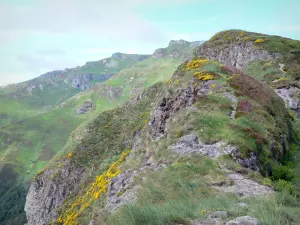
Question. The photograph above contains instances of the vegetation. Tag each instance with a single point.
(29, 144)
(181, 193)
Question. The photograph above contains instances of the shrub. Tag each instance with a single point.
(259, 41)
(282, 185)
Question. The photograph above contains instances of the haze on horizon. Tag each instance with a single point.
(42, 35)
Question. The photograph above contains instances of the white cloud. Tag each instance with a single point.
(51, 52)
(195, 36)
(101, 18)
(38, 65)
(284, 28)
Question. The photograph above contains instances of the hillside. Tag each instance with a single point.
(36, 96)
(27, 146)
(218, 143)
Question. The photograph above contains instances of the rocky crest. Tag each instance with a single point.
(236, 55)
(48, 191)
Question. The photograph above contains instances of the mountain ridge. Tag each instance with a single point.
(29, 142)
(197, 142)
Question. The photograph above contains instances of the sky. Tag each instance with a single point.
(37, 36)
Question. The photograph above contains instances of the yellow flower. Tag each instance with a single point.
(70, 155)
(98, 187)
(203, 211)
(213, 86)
(204, 76)
(196, 63)
(259, 41)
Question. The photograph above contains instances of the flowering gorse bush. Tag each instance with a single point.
(98, 187)
(194, 64)
(204, 75)
(259, 41)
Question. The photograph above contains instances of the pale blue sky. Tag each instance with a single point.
(37, 36)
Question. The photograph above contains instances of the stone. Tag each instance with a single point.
(191, 144)
(235, 55)
(242, 205)
(46, 194)
(244, 220)
(85, 108)
(210, 221)
(244, 187)
(166, 107)
(286, 94)
(220, 214)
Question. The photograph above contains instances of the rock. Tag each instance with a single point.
(92, 222)
(190, 144)
(244, 220)
(233, 54)
(286, 95)
(234, 104)
(211, 221)
(85, 108)
(242, 205)
(121, 190)
(220, 214)
(83, 81)
(244, 187)
(110, 92)
(46, 194)
(250, 162)
(167, 106)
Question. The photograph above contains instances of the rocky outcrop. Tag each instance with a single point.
(177, 49)
(111, 92)
(164, 110)
(85, 108)
(191, 144)
(287, 96)
(134, 57)
(48, 191)
(234, 54)
(244, 220)
(244, 187)
(83, 81)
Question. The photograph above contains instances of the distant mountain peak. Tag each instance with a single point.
(181, 41)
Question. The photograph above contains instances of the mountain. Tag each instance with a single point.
(218, 143)
(30, 98)
(27, 145)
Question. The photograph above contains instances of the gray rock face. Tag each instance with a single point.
(164, 110)
(250, 162)
(121, 190)
(234, 101)
(83, 81)
(191, 144)
(124, 56)
(158, 53)
(211, 221)
(220, 214)
(287, 96)
(245, 187)
(244, 220)
(85, 108)
(47, 193)
(110, 92)
(242, 205)
(237, 55)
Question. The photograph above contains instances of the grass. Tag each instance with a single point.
(180, 194)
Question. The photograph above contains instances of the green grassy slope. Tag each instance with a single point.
(30, 98)
(183, 190)
(266, 70)
(28, 145)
